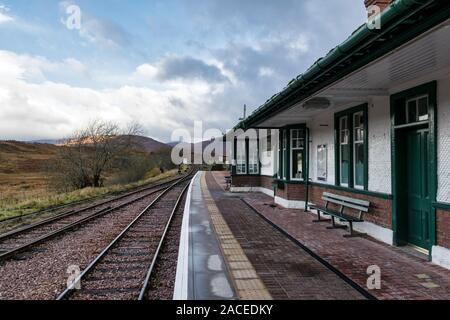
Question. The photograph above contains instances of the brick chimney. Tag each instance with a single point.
(382, 4)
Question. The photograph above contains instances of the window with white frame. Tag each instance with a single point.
(279, 158)
(297, 154)
(358, 149)
(241, 157)
(352, 148)
(269, 140)
(284, 166)
(253, 166)
(344, 151)
(417, 109)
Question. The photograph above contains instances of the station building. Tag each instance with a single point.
(370, 120)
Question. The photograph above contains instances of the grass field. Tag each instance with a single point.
(23, 171)
(24, 185)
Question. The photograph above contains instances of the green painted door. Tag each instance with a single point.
(418, 191)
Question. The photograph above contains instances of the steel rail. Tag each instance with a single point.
(78, 223)
(69, 227)
(69, 290)
(75, 212)
(147, 279)
(121, 195)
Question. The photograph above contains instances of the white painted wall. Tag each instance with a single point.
(322, 132)
(443, 94)
(380, 145)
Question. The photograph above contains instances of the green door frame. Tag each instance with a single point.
(397, 101)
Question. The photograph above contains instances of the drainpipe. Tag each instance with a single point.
(307, 168)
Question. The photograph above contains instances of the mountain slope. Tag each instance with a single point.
(148, 144)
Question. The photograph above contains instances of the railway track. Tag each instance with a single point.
(125, 268)
(21, 240)
(55, 210)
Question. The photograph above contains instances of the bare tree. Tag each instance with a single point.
(90, 152)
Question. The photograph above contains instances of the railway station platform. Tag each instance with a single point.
(263, 251)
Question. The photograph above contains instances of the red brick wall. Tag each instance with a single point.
(246, 181)
(293, 192)
(380, 212)
(253, 181)
(443, 228)
(267, 182)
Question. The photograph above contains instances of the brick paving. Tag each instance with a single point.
(287, 271)
(403, 276)
(247, 282)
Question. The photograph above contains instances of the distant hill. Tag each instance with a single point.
(24, 165)
(47, 141)
(22, 168)
(148, 144)
(24, 157)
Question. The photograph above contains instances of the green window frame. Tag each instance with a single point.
(285, 154)
(352, 145)
(297, 154)
(292, 160)
(253, 157)
(241, 157)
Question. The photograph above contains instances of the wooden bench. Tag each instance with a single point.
(228, 181)
(343, 202)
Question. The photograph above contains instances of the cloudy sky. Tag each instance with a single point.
(163, 63)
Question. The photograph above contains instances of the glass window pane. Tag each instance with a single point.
(344, 136)
(322, 170)
(285, 155)
(362, 121)
(357, 121)
(345, 164)
(412, 111)
(359, 164)
(423, 109)
(301, 143)
(344, 123)
(241, 165)
(359, 135)
(297, 164)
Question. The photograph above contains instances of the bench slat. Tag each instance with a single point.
(346, 204)
(360, 202)
(337, 214)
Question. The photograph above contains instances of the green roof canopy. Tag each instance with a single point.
(401, 21)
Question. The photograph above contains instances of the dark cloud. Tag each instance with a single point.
(189, 68)
(268, 43)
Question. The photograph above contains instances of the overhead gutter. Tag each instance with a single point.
(401, 21)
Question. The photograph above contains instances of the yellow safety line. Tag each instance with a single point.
(248, 284)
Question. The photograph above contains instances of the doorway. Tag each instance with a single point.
(414, 166)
